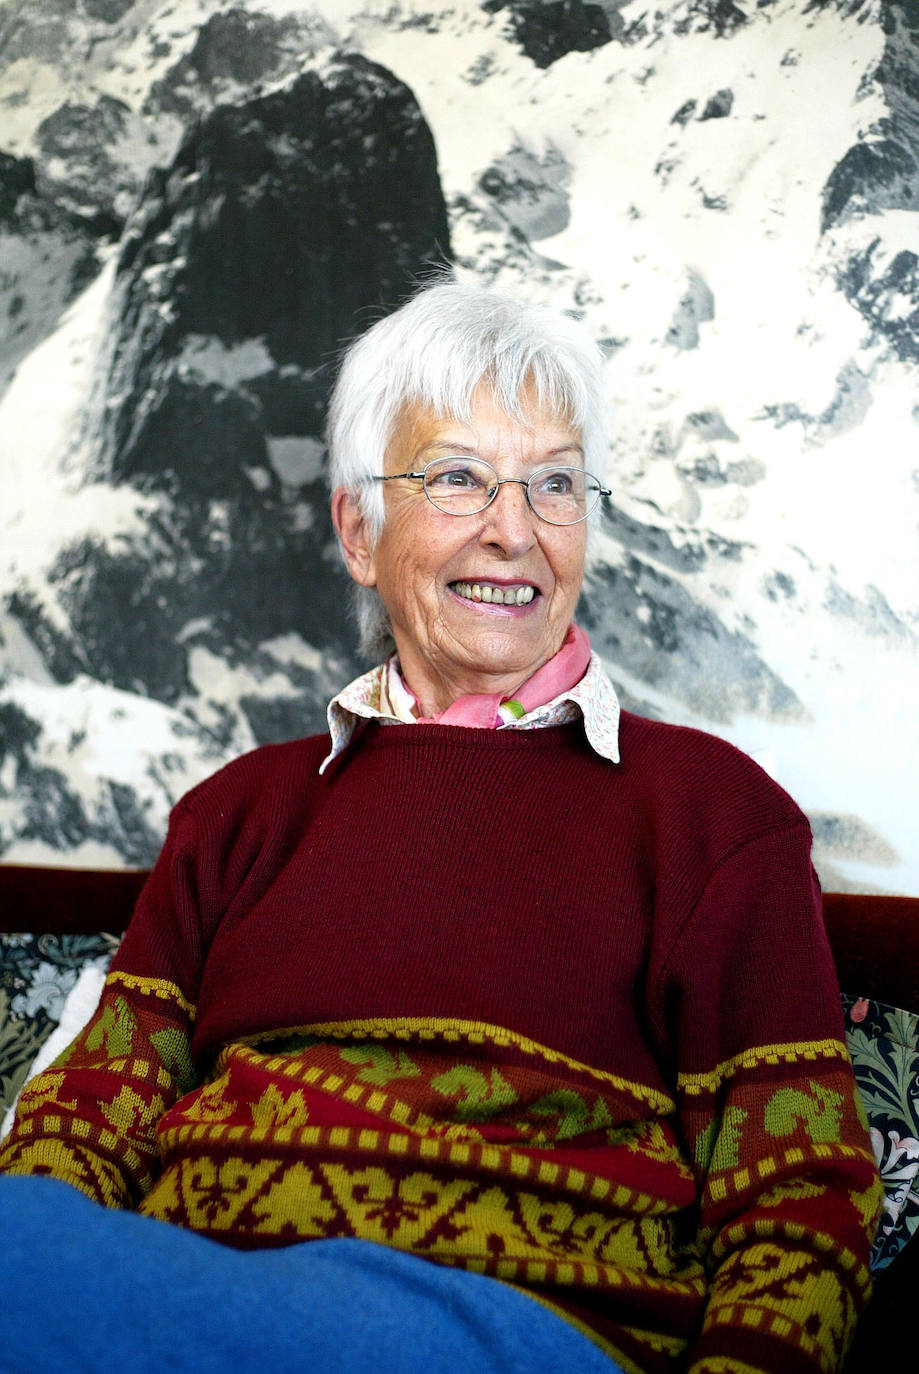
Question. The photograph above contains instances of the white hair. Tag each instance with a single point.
(434, 352)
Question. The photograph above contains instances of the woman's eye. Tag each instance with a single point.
(458, 477)
(556, 483)
(455, 477)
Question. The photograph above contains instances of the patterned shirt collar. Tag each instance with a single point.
(593, 699)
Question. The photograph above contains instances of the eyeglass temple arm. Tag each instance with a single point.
(391, 476)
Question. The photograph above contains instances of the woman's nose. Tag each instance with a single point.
(510, 521)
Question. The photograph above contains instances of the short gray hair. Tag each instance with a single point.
(435, 351)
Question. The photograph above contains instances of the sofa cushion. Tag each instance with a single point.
(884, 1045)
(45, 987)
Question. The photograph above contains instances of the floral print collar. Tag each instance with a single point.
(593, 699)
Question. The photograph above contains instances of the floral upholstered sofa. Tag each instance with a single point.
(60, 927)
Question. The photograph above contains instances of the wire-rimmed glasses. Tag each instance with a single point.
(465, 486)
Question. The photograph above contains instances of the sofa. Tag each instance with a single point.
(59, 925)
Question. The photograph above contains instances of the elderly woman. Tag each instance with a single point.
(492, 975)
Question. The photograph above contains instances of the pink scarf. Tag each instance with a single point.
(560, 674)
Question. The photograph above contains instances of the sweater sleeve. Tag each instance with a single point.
(90, 1119)
(788, 1188)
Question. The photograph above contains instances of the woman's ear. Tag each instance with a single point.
(354, 536)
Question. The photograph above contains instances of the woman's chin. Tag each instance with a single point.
(504, 655)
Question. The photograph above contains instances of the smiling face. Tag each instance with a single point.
(477, 602)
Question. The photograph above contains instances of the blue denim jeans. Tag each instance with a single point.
(86, 1290)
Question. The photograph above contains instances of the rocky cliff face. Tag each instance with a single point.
(198, 205)
(281, 226)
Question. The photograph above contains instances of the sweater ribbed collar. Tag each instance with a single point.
(593, 700)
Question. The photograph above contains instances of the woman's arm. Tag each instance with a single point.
(789, 1191)
(90, 1119)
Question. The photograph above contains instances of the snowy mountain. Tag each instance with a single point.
(199, 203)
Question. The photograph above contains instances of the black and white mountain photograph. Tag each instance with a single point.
(202, 203)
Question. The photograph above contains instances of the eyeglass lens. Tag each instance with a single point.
(464, 486)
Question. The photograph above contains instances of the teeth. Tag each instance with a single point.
(496, 596)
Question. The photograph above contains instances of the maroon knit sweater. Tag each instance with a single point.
(491, 998)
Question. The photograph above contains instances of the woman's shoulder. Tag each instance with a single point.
(680, 743)
(268, 766)
(682, 762)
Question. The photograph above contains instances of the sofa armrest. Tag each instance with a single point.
(875, 944)
(67, 901)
